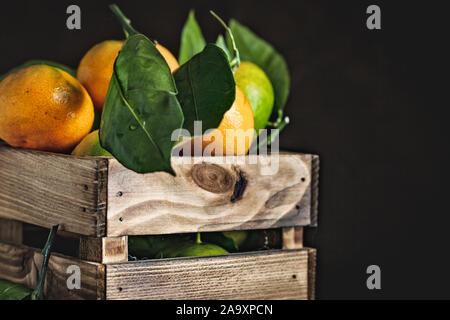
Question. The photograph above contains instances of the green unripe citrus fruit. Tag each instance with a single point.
(237, 236)
(258, 89)
(194, 249)
(155, 246)
(90, 146)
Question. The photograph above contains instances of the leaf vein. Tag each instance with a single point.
(137, 118)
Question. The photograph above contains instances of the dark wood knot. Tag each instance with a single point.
(239, 187)
(212, 177)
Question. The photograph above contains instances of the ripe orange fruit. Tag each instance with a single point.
(96, 68)
(44, 108)
(169, 57)
(234, 135)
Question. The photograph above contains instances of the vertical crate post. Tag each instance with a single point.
(104, 249)
(11, 231)
(292, 237)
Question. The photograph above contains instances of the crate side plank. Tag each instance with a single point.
(45, 189)
(275, 274)
(312, 262)
(21, 264)
(209, 195)
(315, 168)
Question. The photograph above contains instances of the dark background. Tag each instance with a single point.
(372, 104)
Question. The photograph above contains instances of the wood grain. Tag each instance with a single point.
(275, 274)
(312, 261)
(21, 264)
(210, 195)
(46, 189)
(98, 197)
(11, 231)
(292, 237)
(104, 250)
(315, 168)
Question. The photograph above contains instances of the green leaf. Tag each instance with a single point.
(192, 40)
(67, 69)
(220, 42)
(254, 49)
(12, 291)
(141, 109)
(206, 88)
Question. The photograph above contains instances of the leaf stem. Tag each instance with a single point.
(237, 59)
(280, 116)
(37, 294)
(278, 121)
(280, 127)
(277, 125)
(123, 20)
(199, 238)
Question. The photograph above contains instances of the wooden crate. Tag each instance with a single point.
(100, 202)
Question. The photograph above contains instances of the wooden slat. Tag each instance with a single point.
(47, 189)
(273, 274)
(312, 254)
(208, 195)
(21, 264)
(104, 250)
(315, 166)
(292, 237)
(11, 231)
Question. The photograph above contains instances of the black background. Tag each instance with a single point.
(372, 104)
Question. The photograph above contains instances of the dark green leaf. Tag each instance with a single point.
(254, 49)
(12, 291)
(141, 109)
(192, 41)
(220, 42)
(206, 88)
(67, 69)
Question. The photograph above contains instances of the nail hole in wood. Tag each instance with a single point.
(121, 219)
(303, 179)
(120, 193)
(120, 289)
(86, 187)
(294, 276)
(83, 209)
(297, 207)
